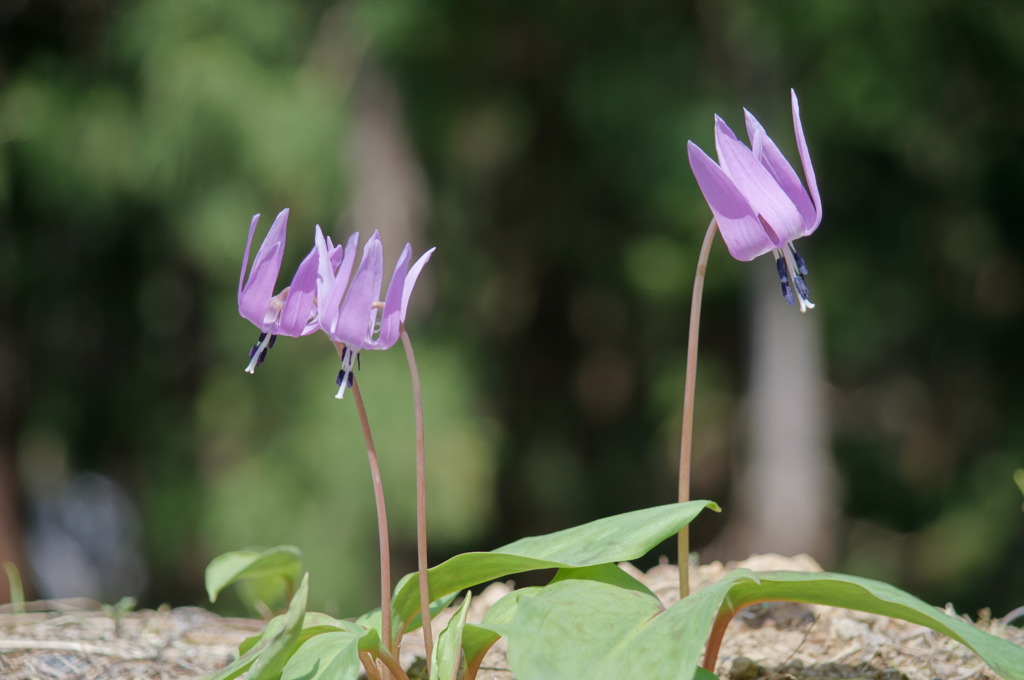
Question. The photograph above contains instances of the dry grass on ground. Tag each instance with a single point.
(77, 640)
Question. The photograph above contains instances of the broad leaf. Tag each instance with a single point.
(478, 638)
(332, 655)
(612, 539)
(605, 573)
(448, 651)
(590, 629)
(282, 561)
(615, 632)
(436, 607)
(875, 597)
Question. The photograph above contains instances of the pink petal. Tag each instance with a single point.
(742, 232)
(255, 295)
(391, 318)
(805, 159)
(355, 320)
(772, 159)
(331, 285)
(410, 280)
(245, 258)
(722, 127)
(298, 305)
(758, 186)
(327, 314)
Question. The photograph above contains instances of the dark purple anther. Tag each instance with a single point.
(787, 290)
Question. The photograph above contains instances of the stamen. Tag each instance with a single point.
(345, 376)
(796, 264)
(258, 352)
(801, 266)
(783, 269)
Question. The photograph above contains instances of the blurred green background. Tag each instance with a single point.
(541, 147)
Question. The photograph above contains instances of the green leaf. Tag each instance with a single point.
(612, 539)
(333, 655)
(612, 633)
(312, 624)
(436, 608)
(875, 597)
(615, 632)
(448, 651)
(478, 638)
(251, 648)
(283, 643)
(282, 561)
(605, 573)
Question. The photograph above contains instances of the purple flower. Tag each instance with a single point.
(351, 313)
(292, 311)
(758, 200)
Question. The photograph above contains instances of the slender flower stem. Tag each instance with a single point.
(689, 387)
(382, 521)
(421, 499)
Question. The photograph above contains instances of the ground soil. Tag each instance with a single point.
(79, 640)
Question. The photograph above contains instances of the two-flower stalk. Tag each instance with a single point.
(324, 295)
(760, 206)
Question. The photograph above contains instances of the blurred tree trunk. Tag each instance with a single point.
(785, 498)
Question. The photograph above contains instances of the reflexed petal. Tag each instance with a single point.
(331, 285)
(245, 258)
(349, 260)
(410, 280)
(391, 318)
(721, 127)
(337, 252)
(356, 317)
(780, 169)
(255, 295)
(761, 190)
(327, 314)
(259, 289)
(805, 159)
(271, 252)
(298, 305)
(742, 232)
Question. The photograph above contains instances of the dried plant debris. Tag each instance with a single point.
(773, 641)
(65, 639)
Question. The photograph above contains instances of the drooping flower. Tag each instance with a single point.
(759, 201)
(290, 312)
(351, 313)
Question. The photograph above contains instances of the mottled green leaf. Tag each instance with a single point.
(282, 561)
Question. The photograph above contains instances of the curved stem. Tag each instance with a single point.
(421, 499)
(369, 665)
(390, 660)
(382, 520)
(725, 616)
(689, 387)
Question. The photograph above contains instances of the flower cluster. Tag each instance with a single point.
(324, 295)
(758, 200)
